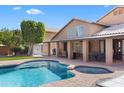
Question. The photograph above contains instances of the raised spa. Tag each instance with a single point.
(92, 70)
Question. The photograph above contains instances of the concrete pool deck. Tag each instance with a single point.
(80, 79)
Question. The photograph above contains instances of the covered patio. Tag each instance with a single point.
(112, 45)
(106, 46)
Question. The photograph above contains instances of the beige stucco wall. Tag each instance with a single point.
(48, 36)
(77, 46)
(88, 30)
(112, 19)
(94, 46)
(53, 46)
(45, 48)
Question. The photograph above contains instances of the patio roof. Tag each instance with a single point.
(114, 30)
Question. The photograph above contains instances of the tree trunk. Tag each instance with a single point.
(30, 49)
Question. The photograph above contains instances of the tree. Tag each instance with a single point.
(17, 41)
(32, 32)
(17, 38)
(12, 38)
(6, 37)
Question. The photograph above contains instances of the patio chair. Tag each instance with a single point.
(101, 57)
(93, 56)
(63, 53)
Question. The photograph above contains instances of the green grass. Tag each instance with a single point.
(15, 58)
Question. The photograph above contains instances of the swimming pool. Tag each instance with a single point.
(92, 70)
(33, 73)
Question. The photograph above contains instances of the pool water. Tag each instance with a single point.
(33, 74)
(92, 70)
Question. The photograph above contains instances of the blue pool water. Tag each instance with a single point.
(33, 74)
(92, 70)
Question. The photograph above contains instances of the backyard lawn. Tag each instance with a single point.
(15, 58)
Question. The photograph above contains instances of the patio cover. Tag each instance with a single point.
(114, 30)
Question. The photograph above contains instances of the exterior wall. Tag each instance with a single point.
(114, 17)
(88, 30)
(53, 46)
(48, 36)
(57, 49)
(61, 47)
(94, 46)
(77, 49)
(46, 50)
(77, 46)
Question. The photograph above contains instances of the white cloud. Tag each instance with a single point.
(34, 11)
(16, 8)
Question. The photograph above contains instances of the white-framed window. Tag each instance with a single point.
(79, 30)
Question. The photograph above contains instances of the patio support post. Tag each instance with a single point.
(85, 50)
(57, 49)
(109, 51)
(69, 49)
(49, 48)
(123, 50)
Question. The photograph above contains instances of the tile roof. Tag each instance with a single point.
(113, 30)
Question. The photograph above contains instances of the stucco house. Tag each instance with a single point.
(101, 41)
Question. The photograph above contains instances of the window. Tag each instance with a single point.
(76, 31)
(79, 30)
(69, 32)
(118, 12)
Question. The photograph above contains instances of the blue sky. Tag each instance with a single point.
(51, 16)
